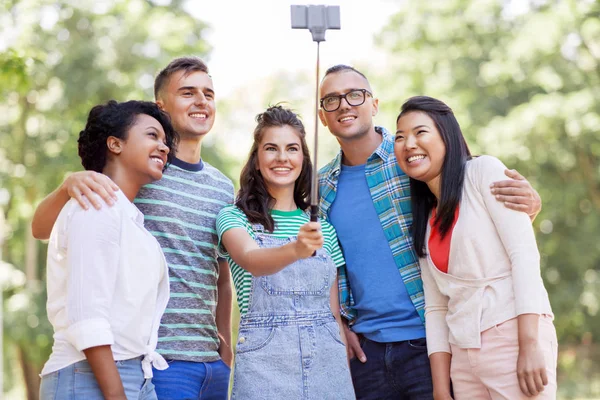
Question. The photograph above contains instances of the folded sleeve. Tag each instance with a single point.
(93, 253)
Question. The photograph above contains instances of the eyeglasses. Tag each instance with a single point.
(354, 98)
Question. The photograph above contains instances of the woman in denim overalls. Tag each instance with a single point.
(289, 344)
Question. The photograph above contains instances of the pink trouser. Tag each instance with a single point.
(491, 371)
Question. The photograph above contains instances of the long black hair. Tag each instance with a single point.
(254, 198)
(452, 175)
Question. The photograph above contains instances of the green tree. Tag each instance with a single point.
(523, 78)
(61, 59)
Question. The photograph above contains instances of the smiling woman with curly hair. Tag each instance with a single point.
(108, 282)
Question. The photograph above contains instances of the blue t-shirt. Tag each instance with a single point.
(385, 312)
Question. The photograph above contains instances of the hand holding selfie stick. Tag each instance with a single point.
(317, 19)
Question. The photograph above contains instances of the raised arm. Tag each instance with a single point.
(77, 185)
(259, 262)
(517, 194)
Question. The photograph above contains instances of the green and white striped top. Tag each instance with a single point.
(287, 223)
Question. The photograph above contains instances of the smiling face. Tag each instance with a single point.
(348, 122)
(143, 152)
(279, 158)
(419, 148)
(190, 102)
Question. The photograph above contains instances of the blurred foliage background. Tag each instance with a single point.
(524, 82)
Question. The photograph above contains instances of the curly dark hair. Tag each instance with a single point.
(254, 198)
(115, 119)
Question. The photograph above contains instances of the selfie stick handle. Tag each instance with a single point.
(317, 19)
(314, 192)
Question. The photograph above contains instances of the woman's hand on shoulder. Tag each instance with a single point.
(310, 239)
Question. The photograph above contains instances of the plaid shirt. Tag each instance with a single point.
(389, 187)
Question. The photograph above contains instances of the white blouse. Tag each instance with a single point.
(108, 284)
(493, 267)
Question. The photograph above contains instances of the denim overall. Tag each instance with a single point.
(289, 344)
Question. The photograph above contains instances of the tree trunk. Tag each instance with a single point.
(30, 376)
(31, 256)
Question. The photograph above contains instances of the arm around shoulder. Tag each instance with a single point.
(47, 212)
(517, 193)
(78, 185)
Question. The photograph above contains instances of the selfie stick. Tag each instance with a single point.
(317, 19)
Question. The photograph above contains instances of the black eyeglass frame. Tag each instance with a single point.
(343, 96)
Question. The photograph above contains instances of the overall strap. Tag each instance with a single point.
(258, 228)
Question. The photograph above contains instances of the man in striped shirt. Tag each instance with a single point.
(366, 197)
(180, 210)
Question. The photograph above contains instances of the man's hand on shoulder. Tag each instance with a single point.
(517, 194)
(81, 185)
(78, 185)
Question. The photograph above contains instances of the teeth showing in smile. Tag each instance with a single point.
(415, 158)
(282, 169)
(350, 118)
(158, 160)
(198, 115)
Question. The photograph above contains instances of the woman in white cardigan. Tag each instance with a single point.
(488, 318)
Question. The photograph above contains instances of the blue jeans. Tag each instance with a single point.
(185, 380)
(77, 381)
(398, 371)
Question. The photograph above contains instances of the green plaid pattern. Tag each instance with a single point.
(390, 190)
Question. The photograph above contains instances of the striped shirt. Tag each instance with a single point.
(287, 224)
(180, 210)
(390, 190)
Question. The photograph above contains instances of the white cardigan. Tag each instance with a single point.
(493, 269)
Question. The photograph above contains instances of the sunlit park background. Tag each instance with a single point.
(523, 77)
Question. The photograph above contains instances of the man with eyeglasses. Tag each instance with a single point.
(366, 197)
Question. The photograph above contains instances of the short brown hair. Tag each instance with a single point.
(187, 64)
